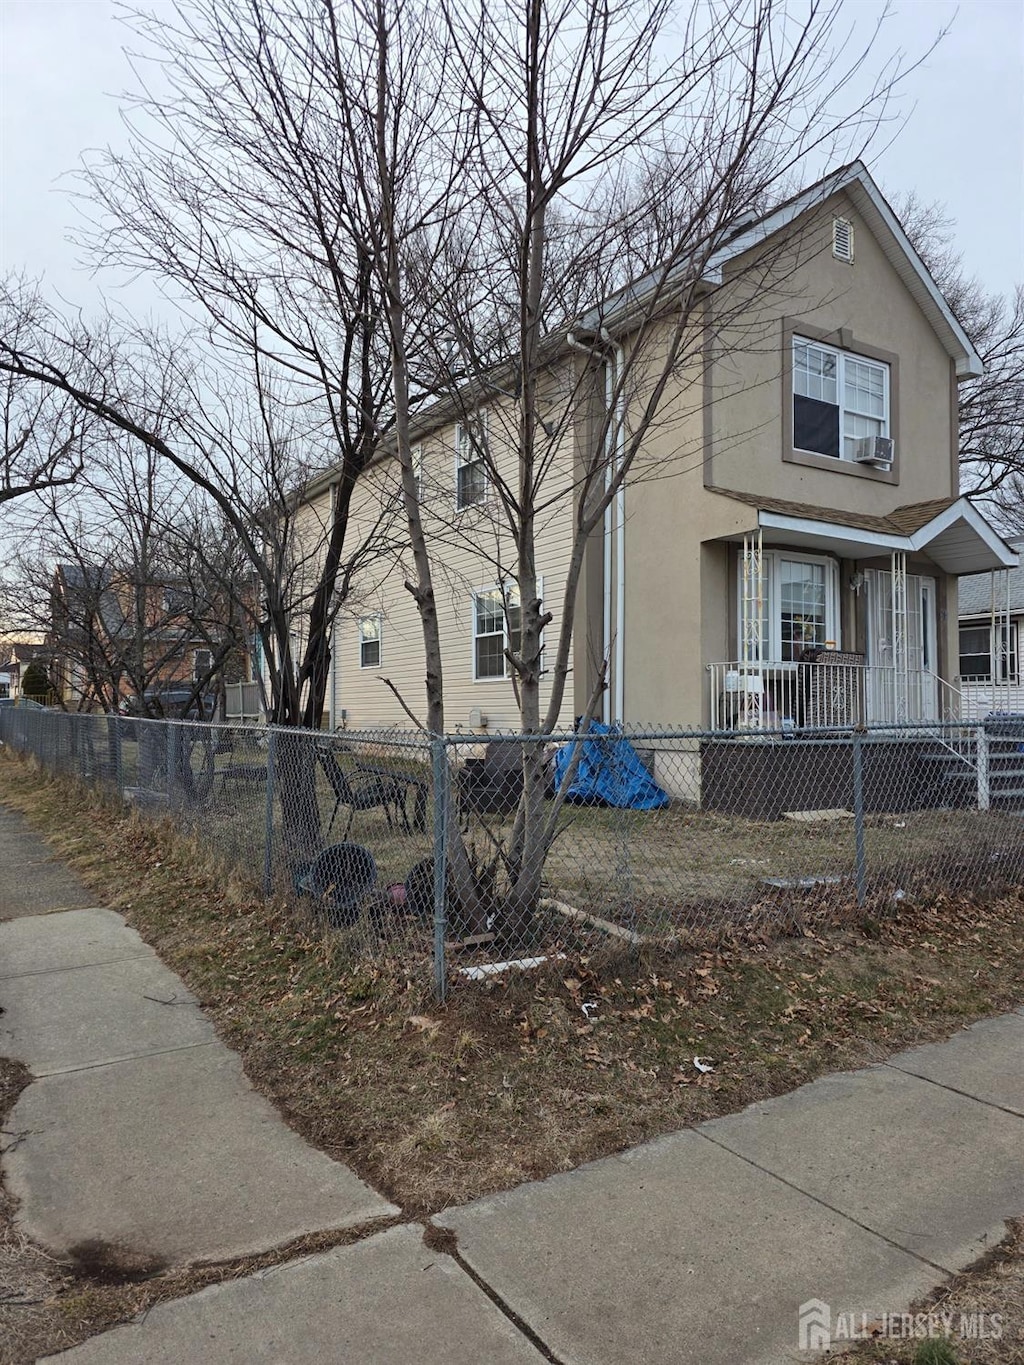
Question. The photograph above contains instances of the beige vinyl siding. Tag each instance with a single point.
(466, 549)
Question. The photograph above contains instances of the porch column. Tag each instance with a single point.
(900, 660)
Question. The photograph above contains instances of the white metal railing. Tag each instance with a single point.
(980, 696)
(787, 696)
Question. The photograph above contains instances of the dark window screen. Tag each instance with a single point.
(815, 426)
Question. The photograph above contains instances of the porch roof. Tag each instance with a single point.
(951, 531)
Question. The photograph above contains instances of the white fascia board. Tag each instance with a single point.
(853, 535)
(767, 227)
(970, 364)
(963, 510)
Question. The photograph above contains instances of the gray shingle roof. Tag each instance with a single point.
(975, 593)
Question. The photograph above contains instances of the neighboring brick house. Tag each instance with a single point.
(111, 638)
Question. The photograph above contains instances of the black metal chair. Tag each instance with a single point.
(372, 793)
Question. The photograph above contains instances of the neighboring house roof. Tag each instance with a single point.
(975, 591)
(89, 589)
(950, 530)
(20, 653)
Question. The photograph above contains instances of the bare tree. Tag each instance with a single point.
(991, 407)
(580, 184)
(46, 436)
(135, 589)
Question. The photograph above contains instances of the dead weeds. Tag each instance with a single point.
(983, 1309)
(517, 1078)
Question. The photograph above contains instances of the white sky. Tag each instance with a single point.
(963, 144)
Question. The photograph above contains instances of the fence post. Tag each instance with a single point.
(439, 764)
(268, 818)
(984, 790)
(858, 816)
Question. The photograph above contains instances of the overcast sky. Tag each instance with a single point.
(61, 68)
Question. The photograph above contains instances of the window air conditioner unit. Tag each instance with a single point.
(875, 450)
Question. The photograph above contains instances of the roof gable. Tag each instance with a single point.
(871, 204)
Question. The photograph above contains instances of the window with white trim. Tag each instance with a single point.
(497, 625)
(800, 611)
(838, 399)
(976, 653)
(369, 641)
(470, 464)
(417, 471)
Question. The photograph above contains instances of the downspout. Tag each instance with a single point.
(618, 441)
(332, 643)
(606, 532)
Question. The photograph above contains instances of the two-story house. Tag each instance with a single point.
(788, 563)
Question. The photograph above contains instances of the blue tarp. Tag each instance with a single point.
(609, 772)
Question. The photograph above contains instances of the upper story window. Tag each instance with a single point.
(839, 399)
(369, 642)
(470, 464)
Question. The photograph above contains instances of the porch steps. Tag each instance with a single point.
(955, 774)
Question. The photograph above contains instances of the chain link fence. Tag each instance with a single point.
(463, 854)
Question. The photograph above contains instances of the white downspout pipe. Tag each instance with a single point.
(618, 441)
(606, 533)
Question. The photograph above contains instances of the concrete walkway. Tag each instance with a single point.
(862, 1190)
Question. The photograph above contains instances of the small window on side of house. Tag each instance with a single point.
(496, 628)
(202, 664)
(842, 240)
(470, 464)
(369, 641)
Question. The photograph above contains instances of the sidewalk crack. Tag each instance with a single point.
(840, 1213)
(964, 1094)
(446, 1243)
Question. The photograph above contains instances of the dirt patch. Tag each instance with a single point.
(48, 1305)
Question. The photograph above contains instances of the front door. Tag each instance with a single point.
(909, 692)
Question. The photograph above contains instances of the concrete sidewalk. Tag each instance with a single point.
(862, 1190)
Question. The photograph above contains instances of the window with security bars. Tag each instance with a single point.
(976, 653)
(838, 399)
(470, 465)
(496, 628)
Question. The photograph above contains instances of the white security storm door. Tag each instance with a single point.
(916, 689)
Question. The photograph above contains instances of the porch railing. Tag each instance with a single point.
(789, 696)
(981, 696)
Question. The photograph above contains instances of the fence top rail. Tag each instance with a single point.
(422, 739)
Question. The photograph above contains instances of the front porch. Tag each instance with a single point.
(843, 620)
(831, 690)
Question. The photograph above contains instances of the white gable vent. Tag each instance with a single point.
(842, 239)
